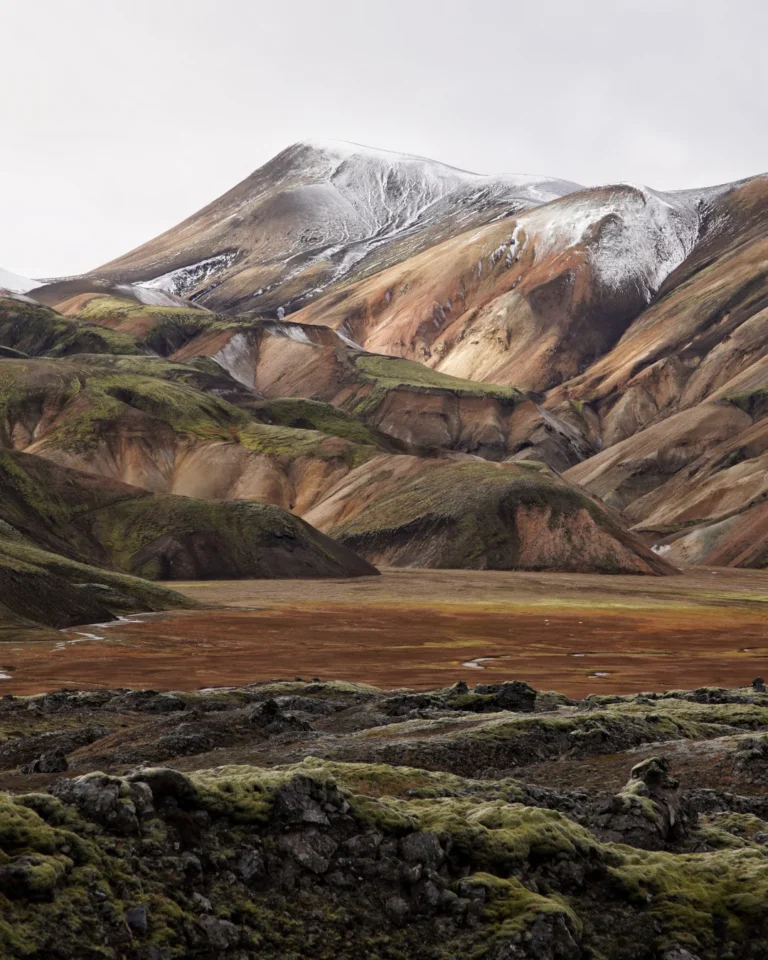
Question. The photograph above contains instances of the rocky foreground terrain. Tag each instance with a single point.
(335, 820)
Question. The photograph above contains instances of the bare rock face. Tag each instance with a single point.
(107, 800)
(651, 779)
(54, 762)
(649, 811)
(550, 937)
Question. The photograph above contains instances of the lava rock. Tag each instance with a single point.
(221, 934)
(53, 762)
(137, 920)
(514, 695)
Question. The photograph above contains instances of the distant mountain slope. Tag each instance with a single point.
(346, 303)
(165, 427)
(532, 300)
(320, 212)
(13, 283)
(121, 527)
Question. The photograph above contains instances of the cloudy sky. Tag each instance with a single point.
(120, 119)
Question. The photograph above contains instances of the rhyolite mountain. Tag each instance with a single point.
(318, 213)
(629, 321)
(351, 304)
(221, 474)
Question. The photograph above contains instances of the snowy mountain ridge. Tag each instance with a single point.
(325, 212)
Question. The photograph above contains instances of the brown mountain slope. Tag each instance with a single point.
(705, 329)
(679, 404)
(318, 213)
(400, 398)
(163, 427)
(532, 300)
(144, 420)
(403, 511)
(740, 540)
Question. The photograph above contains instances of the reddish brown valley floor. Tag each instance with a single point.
(424, 628)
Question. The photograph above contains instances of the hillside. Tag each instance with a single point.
(319, 212)
(387, 304)
(218, 454)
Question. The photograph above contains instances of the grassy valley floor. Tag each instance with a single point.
(577, 634)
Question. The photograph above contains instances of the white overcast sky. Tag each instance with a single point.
(118, 118)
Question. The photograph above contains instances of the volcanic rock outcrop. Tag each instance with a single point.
(405, 834)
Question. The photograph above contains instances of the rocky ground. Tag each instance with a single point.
(335, 820)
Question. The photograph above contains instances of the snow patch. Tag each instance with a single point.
(238, 359)
(180, 281)
(634, 235)
(15, 283)
(292, 331)
(151, 298)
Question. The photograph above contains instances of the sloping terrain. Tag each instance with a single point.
(530, 300)
(15, 284)
(403, 399)
(165, 427)
(739, 540)
(679, 402)
(38, 587)
(314, 215)
(37, 330)
(401, 511)
(161, 537)
(424, 825)
(615, 333)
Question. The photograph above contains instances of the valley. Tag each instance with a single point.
(419, 629)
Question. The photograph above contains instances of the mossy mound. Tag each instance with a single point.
(38, 331)
(77, 404)
(180, 538)
(323, 417)
(39, 587)
(479, 516)
(161, 537)
(394, 373)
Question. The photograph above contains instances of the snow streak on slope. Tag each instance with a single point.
(635, 236)
(179, 282)
(378, 197)
(312, 214)
(16, 284)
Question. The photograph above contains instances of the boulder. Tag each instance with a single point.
(53, 762)
(103, 799)
(513, 695)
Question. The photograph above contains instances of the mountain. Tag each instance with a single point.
(217, 456)
(319, 213)
(531, 300)
(388, 305)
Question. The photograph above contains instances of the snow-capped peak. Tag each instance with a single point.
(342, 150)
